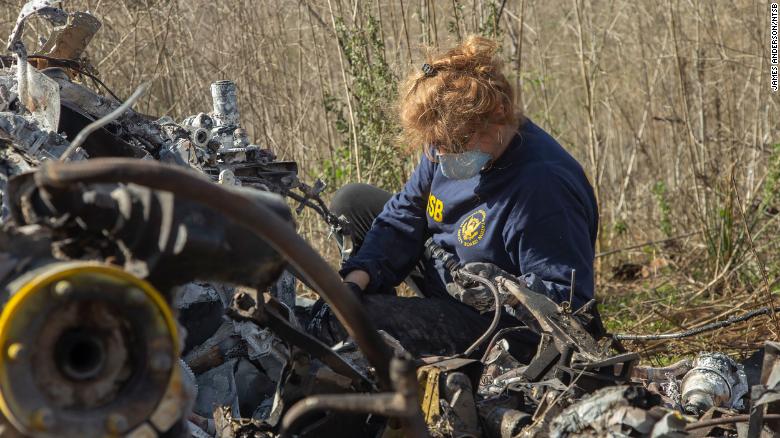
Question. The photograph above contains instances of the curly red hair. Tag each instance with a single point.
(463, 92)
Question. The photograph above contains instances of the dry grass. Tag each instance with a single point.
(662, 103)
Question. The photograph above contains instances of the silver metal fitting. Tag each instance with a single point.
(225, 101)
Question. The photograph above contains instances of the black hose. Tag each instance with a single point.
(496, 315)
(693, 332)
(254, 216)
(450, 262)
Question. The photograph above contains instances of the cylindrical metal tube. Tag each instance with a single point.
(661, 374)
(225, 101)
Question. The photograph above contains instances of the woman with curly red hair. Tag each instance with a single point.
(492, 188)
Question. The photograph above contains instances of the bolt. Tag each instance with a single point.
(63, 288)
(43, 419)
(15, 350)
(160, 362)
(116, 423)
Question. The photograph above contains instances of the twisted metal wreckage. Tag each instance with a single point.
(117, 243)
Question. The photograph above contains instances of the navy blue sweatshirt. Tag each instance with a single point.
(532, 213)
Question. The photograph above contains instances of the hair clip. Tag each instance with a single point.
(428, 70)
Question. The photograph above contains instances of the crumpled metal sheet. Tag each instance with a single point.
(217, 387)
(614, 411)
(197, 292)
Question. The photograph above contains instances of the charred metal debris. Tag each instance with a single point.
(147, 282)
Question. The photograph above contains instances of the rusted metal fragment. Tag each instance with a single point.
(71, 39)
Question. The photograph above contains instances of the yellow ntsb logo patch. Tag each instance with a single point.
(435, 208)
(472, 229)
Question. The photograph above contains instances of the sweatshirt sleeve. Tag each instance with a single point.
(550, 235)
(395, 241)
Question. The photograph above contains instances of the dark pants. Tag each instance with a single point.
(424, 326)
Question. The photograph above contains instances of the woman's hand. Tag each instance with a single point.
(475, 294)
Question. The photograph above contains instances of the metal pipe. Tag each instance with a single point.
(385, 404)
(402, 404)
(496, 315)
(254, 216)
(661, 374)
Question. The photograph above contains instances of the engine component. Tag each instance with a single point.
(715, 381)
(88, 350)
(567, 351)
(223, 94)
(448, 398)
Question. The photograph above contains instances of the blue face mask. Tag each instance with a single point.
(463, 165)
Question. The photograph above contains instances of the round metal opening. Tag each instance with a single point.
(80, 354)
(201, 136)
